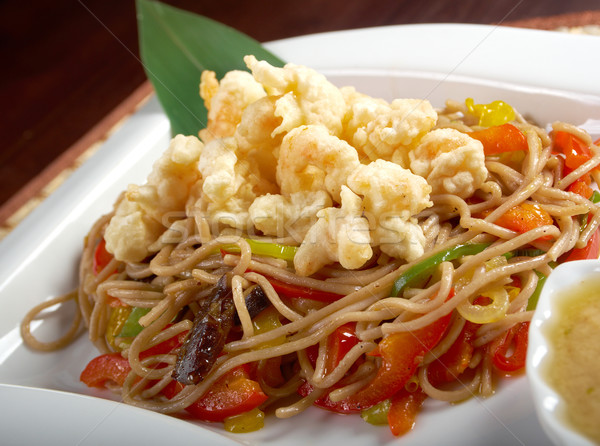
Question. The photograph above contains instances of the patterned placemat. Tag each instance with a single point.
(27, 199)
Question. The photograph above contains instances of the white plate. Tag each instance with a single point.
(549, 76)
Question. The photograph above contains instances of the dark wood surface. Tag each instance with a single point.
(67, 64)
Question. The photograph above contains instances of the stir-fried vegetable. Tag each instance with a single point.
(339, 344)
(581, 186)
(377, 414)
(101, 257)
(116, 322)
(114, 367)
(515, 342)
(258, 247)
(590, 251)
(108, 367)
(404, 408)
(266, 321)
(400, 353)
(256, 301)
(207, 337)
(449, 366)
(291, 290)
(501, 139)
(233, 394)
(250, 421)
(494, 310)
(535, 296)
(424, 269)
(492, 114)
(132, 326)
(523, 218)
(576, 152)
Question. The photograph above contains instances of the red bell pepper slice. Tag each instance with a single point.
(501, 139)
(108, 367)
(523, 218)
(516, 339)
(576, 152)
(291, 290)
(339, 344)
(400, 354)
(165, 347)
(581, 186)
(590, 251)
(404, 408)
(101, 257)
(324, 402)
(456, 359)
(113, 367)
(233, 394)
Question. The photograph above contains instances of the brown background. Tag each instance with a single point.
(71, 69)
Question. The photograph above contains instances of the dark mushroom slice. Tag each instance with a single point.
(256, 301)
(207, 337)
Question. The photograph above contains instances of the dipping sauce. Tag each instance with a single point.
(574, 366)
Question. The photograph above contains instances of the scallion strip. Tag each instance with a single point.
(423, 269)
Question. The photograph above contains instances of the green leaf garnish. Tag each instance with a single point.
(176, 46)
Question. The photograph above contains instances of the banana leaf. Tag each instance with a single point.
(176, 46)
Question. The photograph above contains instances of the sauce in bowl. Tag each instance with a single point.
(573, 369)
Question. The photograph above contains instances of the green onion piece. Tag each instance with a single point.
(583, 218)
(377, 414)
(528, 252)
(132, 325)
(285, 252)
(533, 299)
(508, 255)
(425, 268)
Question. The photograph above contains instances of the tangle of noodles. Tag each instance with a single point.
(171, 284)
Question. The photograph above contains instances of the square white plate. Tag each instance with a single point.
(546, 75)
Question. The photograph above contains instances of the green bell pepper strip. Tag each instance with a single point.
(584, 218)
(423, 269)
(276, 250)
(377, 414)
(132, 325)
(533, 299)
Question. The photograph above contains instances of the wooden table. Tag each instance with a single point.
(71, 69)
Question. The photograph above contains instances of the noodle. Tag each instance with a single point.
(291, 349)
(62, 342)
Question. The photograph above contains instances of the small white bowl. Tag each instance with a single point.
(548, 403)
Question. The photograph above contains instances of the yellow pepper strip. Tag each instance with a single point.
(118, 317)
(492, 114)
(268, 320)
(250, 421)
